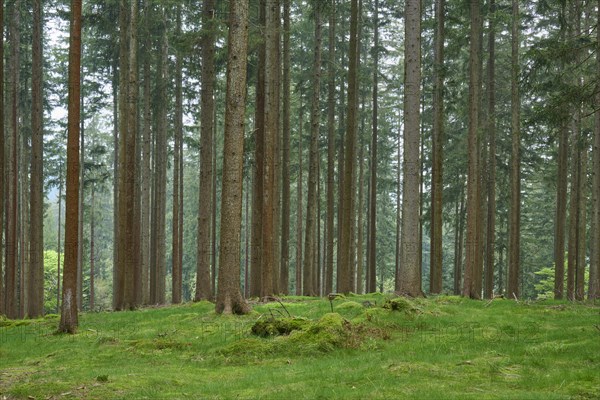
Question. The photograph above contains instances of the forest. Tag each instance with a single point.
(160, 152)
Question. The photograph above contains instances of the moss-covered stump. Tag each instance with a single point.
(278, 326)
(401, 304)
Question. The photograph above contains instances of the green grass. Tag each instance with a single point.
(443, 347)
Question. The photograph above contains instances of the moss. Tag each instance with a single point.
(248, 347)
(401, 304)
(351, 307)
(278, 326)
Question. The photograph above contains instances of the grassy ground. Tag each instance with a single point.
(438, 348)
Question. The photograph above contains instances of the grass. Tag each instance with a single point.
(443, 347)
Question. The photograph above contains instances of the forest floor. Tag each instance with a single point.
(370, 347)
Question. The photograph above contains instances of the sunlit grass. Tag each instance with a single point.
(442, 347)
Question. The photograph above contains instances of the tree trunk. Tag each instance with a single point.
(409, 283)
(472, 245)
(92, 249)
(309, 267)
(299, 205)
(2, 158)
(36, 256)
(284, 278)
(360, 282)
(344, 279)
(271, 119)
(594, 285)
(259, 160)
(69, 317)
(203, 283)
(491, 181)
(435, 280)
(330, 151)
(514, 247)
(176, 269)
(229, 297)
(59, 236)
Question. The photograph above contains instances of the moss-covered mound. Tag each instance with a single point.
(401, 304)
(266, 327)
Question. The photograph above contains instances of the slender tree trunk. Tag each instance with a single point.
(360, 282)
(514, 249)
(299, 205)
(2, 159)
(277, 155)
(203, 283)
(410, 271)
(10, 301)
(36, 256)
(491, 182)
(435, 280)
(59, 236)
(176, 269)
(259, 161)
(472, 245)
(285, 168)
(594, 285)
(344, 280)
(309, 267)
(92, 249)
(582, 221)
(69, 317)
(229, 297)
(116, 180)
(213, 233)
(81, 198)
(271, 121)
(330, 150)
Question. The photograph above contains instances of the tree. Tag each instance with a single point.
(331, 70)
(472, 249)
(271, 129)
(68, 315)
(36, 257)
(177, 222)
(409, 280)
(594, 286)
(344, 279)
(435, 280)
(2, 157)
(284, 277)
(491, 163)
(514, 248)
(310, 268)
(229, 297)
(203, 286)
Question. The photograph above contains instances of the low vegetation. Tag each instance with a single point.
(353, 347)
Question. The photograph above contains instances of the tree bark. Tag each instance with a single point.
(594, 285)
(331, 70)
(203, 284)
(177, 248)
(472, 245)
(435, 280)
(2, 159)
(514, 246)
(299, 205)
(309, 267)
(36, 256)
(284, 278)
(372, 253)
(344, 279)
(229, 297)
(410, 270)
(69, 317)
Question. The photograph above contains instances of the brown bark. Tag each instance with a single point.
(259, 160)
(372, 242)
(36, 257)
(330, 151)
(409, 282)
(310, 248)
(69, 317)
(177, 248)
(285, 166)
(299, 205)
(491, 181)
(203, 283)
(435, 280)
(271, 121)
(472, 245)
(514, 247)
(229, 297)
(59, 236)
(92, 249)
(2, 158)
(594, 285)
(344, 280)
